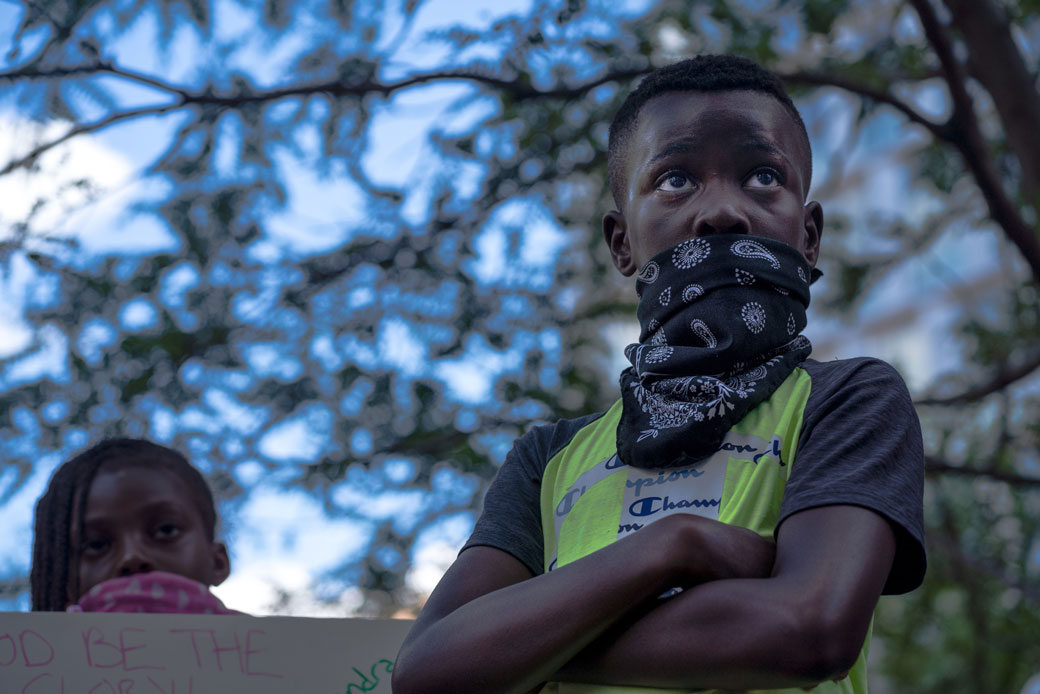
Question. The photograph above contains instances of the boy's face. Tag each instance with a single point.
(701, 163)
(140, 519)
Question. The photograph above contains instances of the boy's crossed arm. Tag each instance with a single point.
(743, 620)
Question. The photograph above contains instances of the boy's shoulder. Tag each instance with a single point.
(840, 375)
(543, 441)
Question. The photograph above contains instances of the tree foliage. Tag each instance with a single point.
(434, 322)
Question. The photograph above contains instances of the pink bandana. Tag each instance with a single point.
(154, 592)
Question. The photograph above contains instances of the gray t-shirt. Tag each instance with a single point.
(860, 444)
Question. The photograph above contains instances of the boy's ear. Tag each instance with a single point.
(812, 223)
(615, 233)
(221, 562)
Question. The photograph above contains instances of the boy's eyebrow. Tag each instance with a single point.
(752, 144)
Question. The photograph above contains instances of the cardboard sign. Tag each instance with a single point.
(55, 653)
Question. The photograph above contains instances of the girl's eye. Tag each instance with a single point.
(95, 546)
(167, 531)
(673, 181)
(764, 178)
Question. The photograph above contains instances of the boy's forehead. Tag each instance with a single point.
(754, 119)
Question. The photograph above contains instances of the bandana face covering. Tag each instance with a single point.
(153, 592)
(721, 320)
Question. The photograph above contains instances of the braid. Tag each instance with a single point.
(57, 511)
(54, 577)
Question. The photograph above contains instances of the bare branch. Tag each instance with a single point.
(984, 566)
(29, 158)
(934, 466)
(967, 137)
(100, 67)
(995, 61)
(1003, 378)
(336, 88)
(818, 79)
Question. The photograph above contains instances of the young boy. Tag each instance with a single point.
(635, 548)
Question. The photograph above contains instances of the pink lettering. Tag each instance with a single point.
(39, 642)
(250, 651)
(173, 686)
(93, 642)
(29, 687)
(96, 689)
(218, 650)
(194, 645)
(10, 644)
(124, 649)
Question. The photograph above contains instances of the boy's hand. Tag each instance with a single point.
(707, 550)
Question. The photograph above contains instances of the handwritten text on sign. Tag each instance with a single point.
(48, 653)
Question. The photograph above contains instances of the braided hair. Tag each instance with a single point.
(54, 577)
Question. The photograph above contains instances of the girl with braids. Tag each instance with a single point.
(127, 526)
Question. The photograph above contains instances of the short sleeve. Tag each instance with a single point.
(511, 519)
(861, 445)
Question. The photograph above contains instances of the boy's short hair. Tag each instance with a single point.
(704, 73)
(63, 504)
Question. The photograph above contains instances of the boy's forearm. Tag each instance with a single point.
(728, 634)
(513, 638)
(803, 625)
(516, 637)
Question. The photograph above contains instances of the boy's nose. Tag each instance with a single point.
(719, 214)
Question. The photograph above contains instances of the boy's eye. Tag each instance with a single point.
(673, 180)
(764, 178)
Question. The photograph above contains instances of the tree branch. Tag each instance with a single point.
(337, 88)
(1003, 378)
(967, 137)
(934, 466)
(995, 61)
(36, 152)
(984, 566)
(819, 79)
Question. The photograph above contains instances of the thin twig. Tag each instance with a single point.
(984, 566)
(336, 88)
(934, 466)
(84, 129)
(1003, 379)
(818, 79)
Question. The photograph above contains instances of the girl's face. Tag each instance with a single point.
(140, 519)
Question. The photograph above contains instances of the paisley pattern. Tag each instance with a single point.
(701, 364)
(701, 330)
(649, 273)
(691, 292)
(753, 249)
(744, 277)
(658, 354)
(754, 316)
(689, 253)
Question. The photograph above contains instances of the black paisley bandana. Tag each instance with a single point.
(721, 320)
